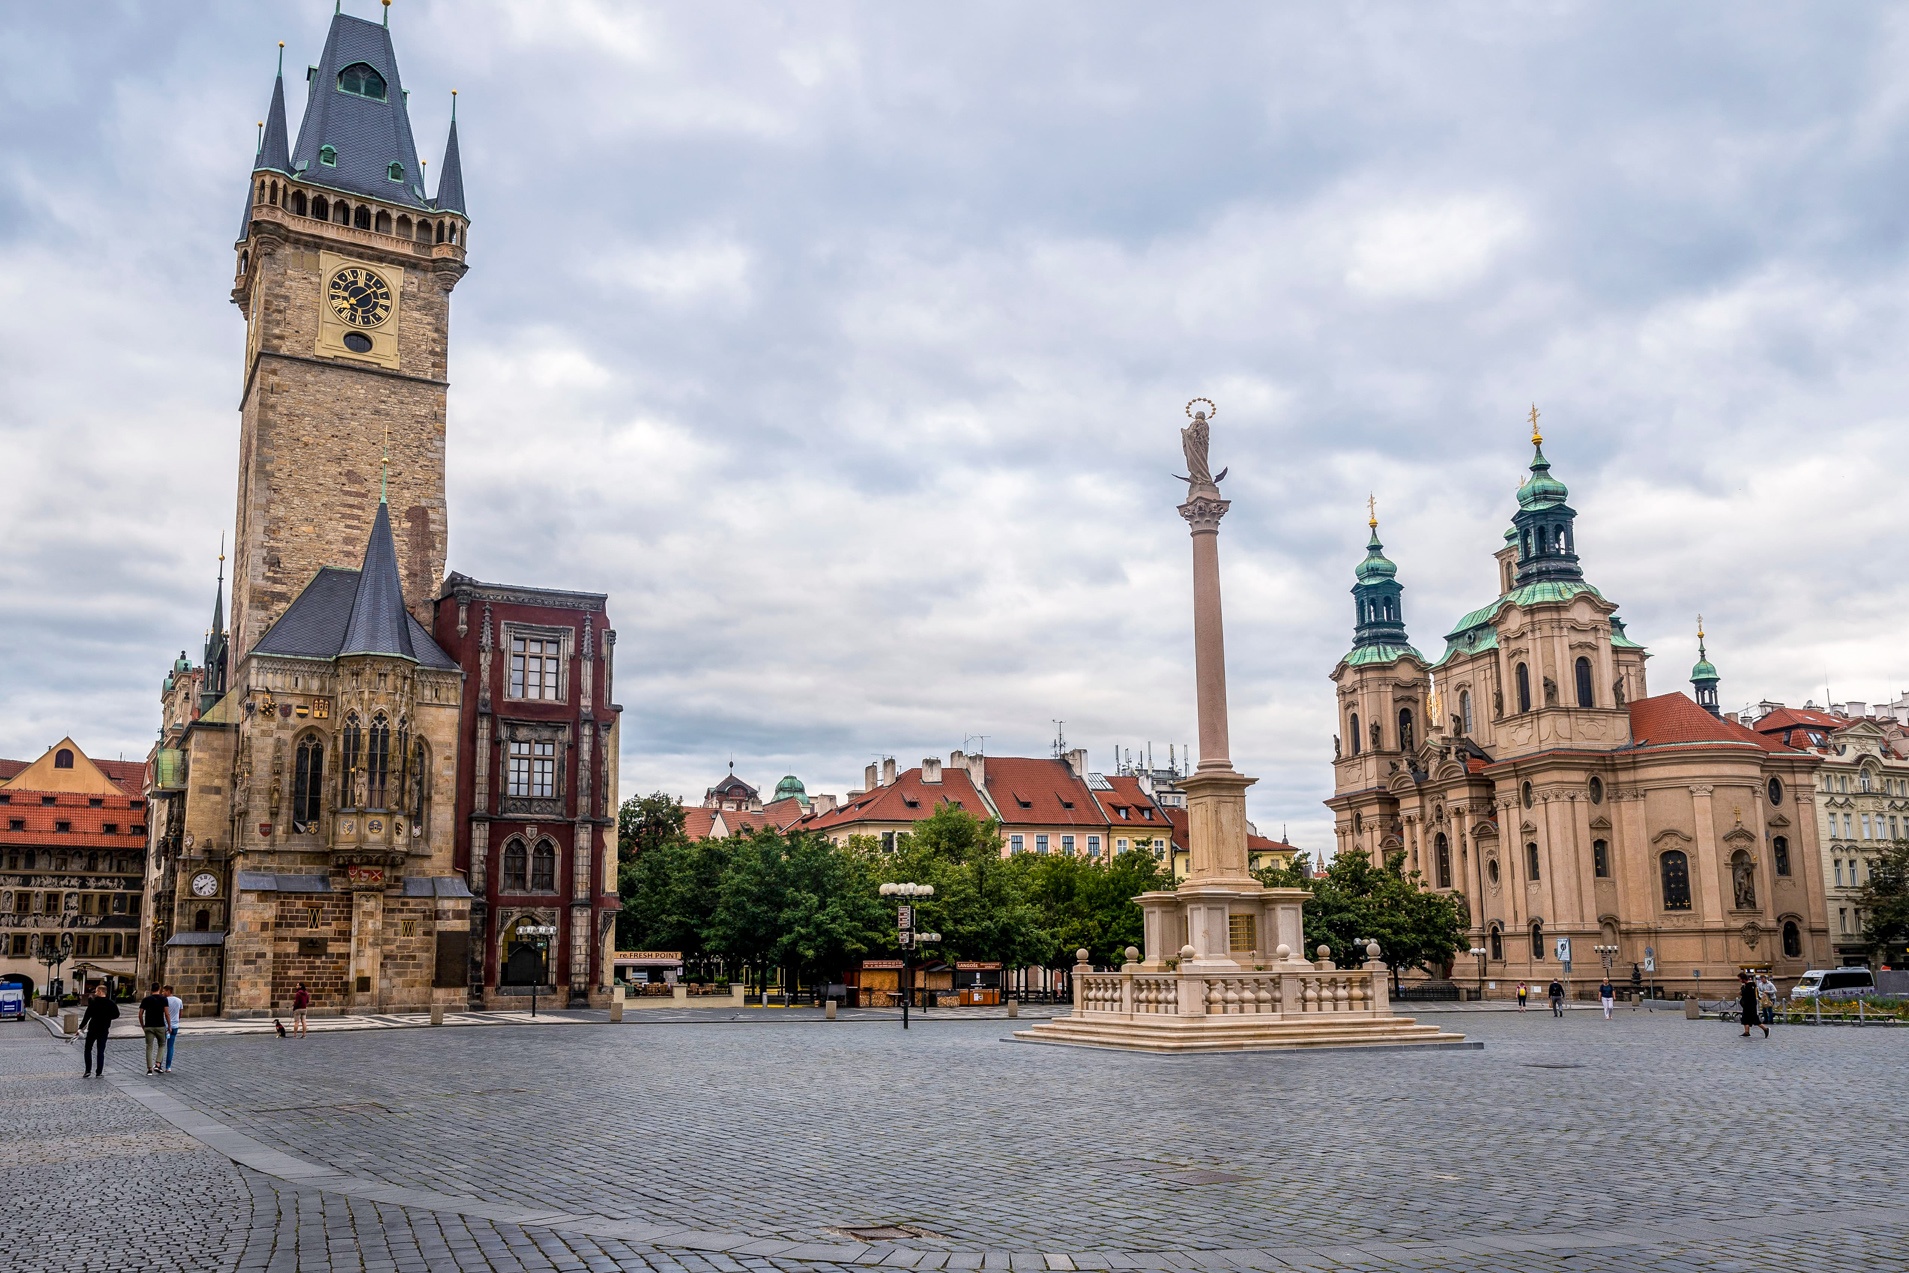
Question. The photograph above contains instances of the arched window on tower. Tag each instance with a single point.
(1792, 940)
(1355, 733)
(543, 868)
(361, 80)
(1524, 688)
(1584, 683)
(1465, 710)
(1537, 939)
(1442, 860)
(1497, 944)
(1531, 860)
(516, 877)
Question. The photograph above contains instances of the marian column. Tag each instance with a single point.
(1216, 795)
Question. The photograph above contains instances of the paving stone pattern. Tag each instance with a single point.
(1669, 1145)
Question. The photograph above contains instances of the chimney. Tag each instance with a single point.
(1077, 761)
(888, 772)
(976, 765)
(930, 769)
(868, 777)
(821, 802)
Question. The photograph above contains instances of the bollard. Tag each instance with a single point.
(1692, 1010)
(616, 1010)
(1014, 1008)
(828, 1012)
(680, 994)
(437, 1014)
(70, 1021)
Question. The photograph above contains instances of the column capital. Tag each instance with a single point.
(1203, 512)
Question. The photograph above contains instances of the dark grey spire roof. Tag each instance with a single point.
(368, 134)
(274, 149)
(378, 617)
(355, 612)
(450, 178)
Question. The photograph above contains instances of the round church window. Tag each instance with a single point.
(358, 342)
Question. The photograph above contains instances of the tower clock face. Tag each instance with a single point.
(359, 296)
(205, 884)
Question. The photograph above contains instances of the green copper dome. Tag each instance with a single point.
(790, 788)
(1376, 565)
(1541, 490)
(1704, 670)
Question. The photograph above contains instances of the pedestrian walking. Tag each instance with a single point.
(152, 1019)
(1524, 993)
(175, 1008)
(1752, 1009)
(1766, 995)
(301, 1000)
(97, 1023)
(1555, 991)
(1607, 995)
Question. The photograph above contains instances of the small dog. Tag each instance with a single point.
(279, 1026)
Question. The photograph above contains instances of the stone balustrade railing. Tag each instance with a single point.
(1132, 992)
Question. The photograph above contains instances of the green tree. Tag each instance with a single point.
(832, 914)
(669, 893)
(645, 822)
(1356, 901)
(979, 907)
(1884, 900)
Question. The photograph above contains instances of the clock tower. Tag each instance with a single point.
(345, 268)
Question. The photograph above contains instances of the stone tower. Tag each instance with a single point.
(345, 272)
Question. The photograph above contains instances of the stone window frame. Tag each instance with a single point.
(565, 639)
(549, 807)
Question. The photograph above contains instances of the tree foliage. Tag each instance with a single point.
(1356, 901)
(1884, 900)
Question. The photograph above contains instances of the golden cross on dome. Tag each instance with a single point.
(1372, 511)
(1537, 438)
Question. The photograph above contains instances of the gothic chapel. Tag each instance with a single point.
(311, 813)
(1528, 770)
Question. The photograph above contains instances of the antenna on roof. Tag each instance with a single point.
(1060, 738)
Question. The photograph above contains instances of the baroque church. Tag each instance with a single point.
(1529, 770)
(376, 776)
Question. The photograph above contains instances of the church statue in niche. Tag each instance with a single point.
(1743, 880)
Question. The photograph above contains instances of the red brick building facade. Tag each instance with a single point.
(536, 785)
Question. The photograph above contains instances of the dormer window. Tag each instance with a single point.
(63, 759)
(360, 79)
(395, 172)
(328, 156)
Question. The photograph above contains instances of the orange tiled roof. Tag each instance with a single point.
(1029, 791)
(1125, 797)
(784, 813)
(907, 799)
(1675, 720)
(86, 824)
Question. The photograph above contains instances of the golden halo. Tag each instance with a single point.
(1211, 409)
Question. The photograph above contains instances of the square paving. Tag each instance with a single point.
(781, 1141)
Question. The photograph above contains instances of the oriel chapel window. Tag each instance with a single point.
(534, 666)
(353, 749)
(308, 783)
(377, 760)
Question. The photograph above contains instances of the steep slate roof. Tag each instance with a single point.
(1053, 794)
(368, 135)
(450, 177)
(275, 152)
(907, 799)
(1674, 720)
(355, 612)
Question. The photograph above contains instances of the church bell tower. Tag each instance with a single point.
(345, 273)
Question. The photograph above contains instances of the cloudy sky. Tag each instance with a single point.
(845, 346)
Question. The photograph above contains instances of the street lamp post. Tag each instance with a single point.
(1479, 953)
(1607, 954)
(906, 936)
(540, 936)
(52, 951)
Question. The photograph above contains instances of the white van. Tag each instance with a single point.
(1835, 983)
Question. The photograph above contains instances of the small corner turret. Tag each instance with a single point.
(1703, 676)
(1546, 535)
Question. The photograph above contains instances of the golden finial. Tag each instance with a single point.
(1372, 511)
(1537, 438)
(1700, 627)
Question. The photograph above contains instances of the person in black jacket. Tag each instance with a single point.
(97, 1023)
(153, 1015)
(1752, 1010)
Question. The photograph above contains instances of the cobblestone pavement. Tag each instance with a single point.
(1648, 1142)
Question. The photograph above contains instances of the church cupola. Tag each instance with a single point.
(1378, 611)
(1703, 677)
(1547, 540)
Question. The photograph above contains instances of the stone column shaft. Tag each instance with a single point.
(1203, 513)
